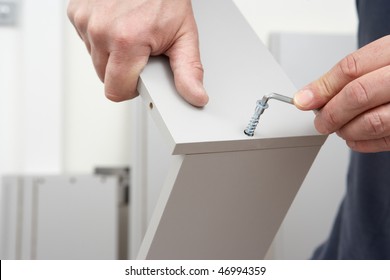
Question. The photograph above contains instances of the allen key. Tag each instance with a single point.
(261, 105)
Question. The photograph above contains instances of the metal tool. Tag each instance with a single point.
(261, 105)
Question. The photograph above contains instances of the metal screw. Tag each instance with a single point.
(261, 105)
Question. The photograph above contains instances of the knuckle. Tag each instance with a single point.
(353, 145)
(96, 31)
(343, 133)
(80, 20)
(330, 120)
(374, 124)
(124, 38)
(386, 142)
(70, 11)
(327, 89)
(357, 95)
(349, 66)
(198, 66)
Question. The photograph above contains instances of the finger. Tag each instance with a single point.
(361, 95)
(78, 15)
(71, 10)
(370, 146)
(99, 59)
(122, 72)
(187, 70)
(371, 125)
(87, 45)
(85, 38)
(367, 59)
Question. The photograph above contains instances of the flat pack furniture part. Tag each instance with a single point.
(226, 194)
(63, 217)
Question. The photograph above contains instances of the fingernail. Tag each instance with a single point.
(304, 98)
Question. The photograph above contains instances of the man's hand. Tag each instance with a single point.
(354, 97)
(121, 35)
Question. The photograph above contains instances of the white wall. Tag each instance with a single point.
(9, 118)
(30, 90)
(9, 98)
(312, 16)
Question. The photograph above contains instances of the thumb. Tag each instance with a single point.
(307, 99)
(187, 69)
(318, 93)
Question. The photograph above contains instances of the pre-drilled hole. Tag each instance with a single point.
(151, 105)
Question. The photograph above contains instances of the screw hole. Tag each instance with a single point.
(151, 105)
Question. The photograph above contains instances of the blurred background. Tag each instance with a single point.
(57, 129)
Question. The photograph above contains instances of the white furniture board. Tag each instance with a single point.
(239, 70)
(61, 217)
(75, 222)
(231, 211)
(213, 160)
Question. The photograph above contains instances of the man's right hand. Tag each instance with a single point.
(121, 35)
(354, 97)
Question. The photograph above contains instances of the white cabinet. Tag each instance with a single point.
(63, 217)
(225, 194)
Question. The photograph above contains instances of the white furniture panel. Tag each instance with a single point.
(225, 205)
(226, 193)
(62, 217)
(238, 71)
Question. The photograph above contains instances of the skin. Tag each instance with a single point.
(354, 97)
(121, 36)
